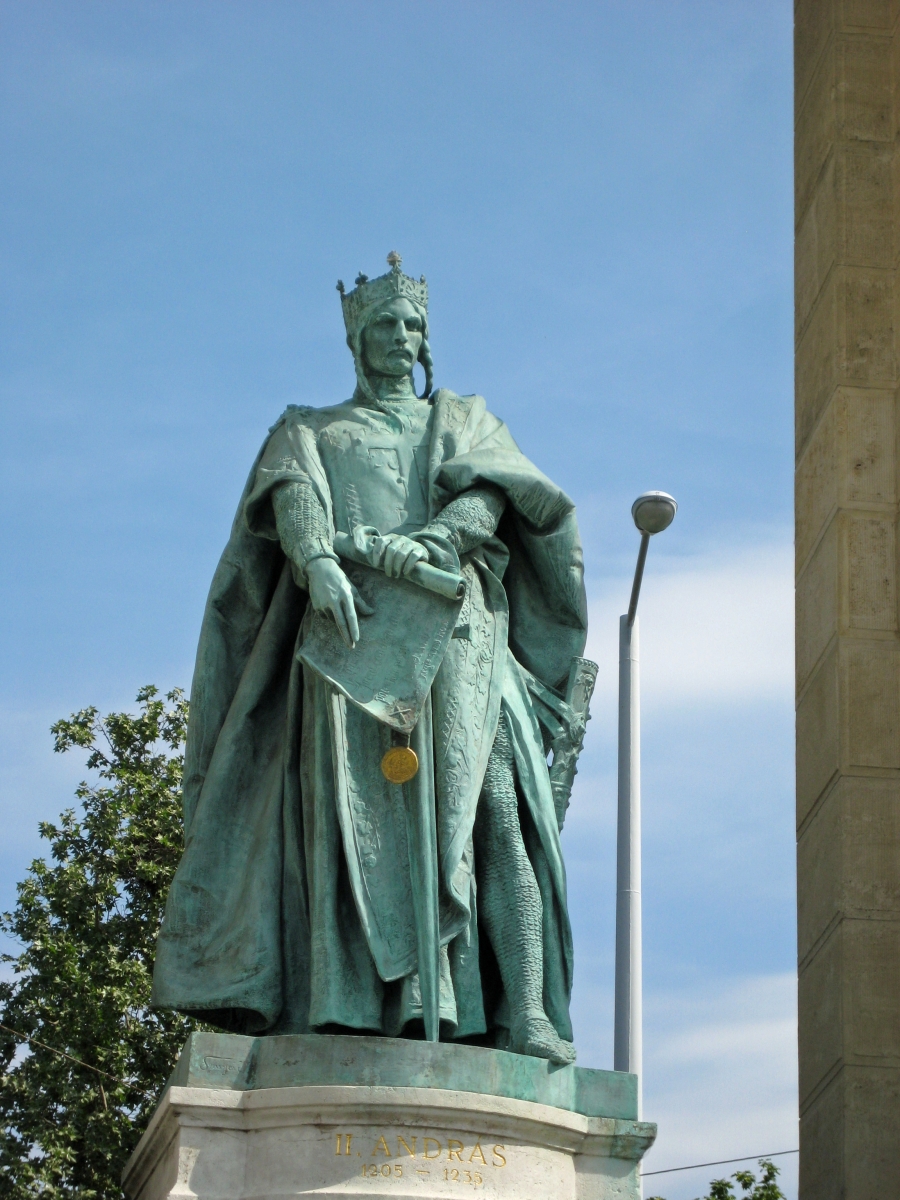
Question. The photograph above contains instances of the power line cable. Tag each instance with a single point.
(722, 1162)
(33, 1041)
(53, 1050)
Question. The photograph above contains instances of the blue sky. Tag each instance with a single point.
(600, 196)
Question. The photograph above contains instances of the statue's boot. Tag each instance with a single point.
(509, 903)
(536, 1036)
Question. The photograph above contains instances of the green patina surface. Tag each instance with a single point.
(232, 1061)
(316, 892)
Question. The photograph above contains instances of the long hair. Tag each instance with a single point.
(355, 342)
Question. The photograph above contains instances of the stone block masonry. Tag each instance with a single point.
(847, 226)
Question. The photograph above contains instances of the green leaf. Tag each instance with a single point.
(766, 1189)
(83, 1071)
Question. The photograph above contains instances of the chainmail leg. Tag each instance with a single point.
(509, 902)
(508, 895)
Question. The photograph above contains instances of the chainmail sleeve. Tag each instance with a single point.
(471, 518)
(301, 523)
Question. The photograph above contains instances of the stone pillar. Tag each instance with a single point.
(847, 213)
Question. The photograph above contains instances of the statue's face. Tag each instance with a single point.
(392, 338)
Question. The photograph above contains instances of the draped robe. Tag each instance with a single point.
(292, 908)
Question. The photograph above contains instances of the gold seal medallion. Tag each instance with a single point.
(400, 764)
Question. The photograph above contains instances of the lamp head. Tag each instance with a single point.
(654, 511)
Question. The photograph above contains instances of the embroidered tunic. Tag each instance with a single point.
(376, 463)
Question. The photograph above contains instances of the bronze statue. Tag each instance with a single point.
(390, 651)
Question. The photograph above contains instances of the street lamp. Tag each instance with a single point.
(652, 512)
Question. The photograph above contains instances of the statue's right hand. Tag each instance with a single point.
(331, 591)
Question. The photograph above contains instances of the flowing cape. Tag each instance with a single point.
(242, 930)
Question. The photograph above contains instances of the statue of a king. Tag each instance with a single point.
(372, 827)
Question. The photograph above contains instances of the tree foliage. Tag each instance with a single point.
(765, 1188)
(84, 1068)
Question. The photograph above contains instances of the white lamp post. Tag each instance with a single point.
(653, 512)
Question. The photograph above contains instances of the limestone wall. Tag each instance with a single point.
(847, 211)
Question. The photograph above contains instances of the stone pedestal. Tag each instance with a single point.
(356, 1117)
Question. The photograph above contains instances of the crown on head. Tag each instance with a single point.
(370, 292)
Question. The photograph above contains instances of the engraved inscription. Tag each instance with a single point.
(385, 1171)
(218, 1066)
(455, 1175)
(452, 1160)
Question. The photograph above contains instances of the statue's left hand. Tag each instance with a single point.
(399, 554)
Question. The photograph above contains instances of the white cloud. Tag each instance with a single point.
(720, 1075)
(719, 1056)
(721, 1079)
(713, 628)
